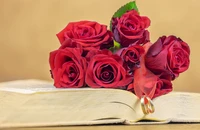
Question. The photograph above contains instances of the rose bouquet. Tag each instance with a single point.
(123, 57)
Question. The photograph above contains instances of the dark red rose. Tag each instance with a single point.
(147, 83)
(168, 55)
(68, 68)
(131, 57)
(88, 34)
(106, 70)
(130, 28)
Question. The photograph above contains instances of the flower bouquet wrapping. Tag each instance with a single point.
(91, 55)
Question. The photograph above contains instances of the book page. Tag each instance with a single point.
(39, 107)
(39, 103)
(177, 107)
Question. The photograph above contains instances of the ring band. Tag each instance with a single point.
(147, 105)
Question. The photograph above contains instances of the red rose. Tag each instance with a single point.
(147, 83)
(169, 55)
(68, 68)
(106, 70)
(88, 34)
(131, 57)
(130, 28)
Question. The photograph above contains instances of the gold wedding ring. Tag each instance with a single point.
(147, 105)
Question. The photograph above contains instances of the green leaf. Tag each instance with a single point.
(129, 6)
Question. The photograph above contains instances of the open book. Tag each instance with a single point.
(27, 103)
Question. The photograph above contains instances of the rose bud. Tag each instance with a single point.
(130, 28)
(147, 83)
(88, 34)
(106, 70)
(168, 55)
(131, 57)
(68, 68)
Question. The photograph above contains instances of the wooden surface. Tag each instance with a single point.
(121, 127)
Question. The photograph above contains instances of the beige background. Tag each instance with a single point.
(28, 28)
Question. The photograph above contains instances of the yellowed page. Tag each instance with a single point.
(51, 107)
(177, 107)
(38, 103)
